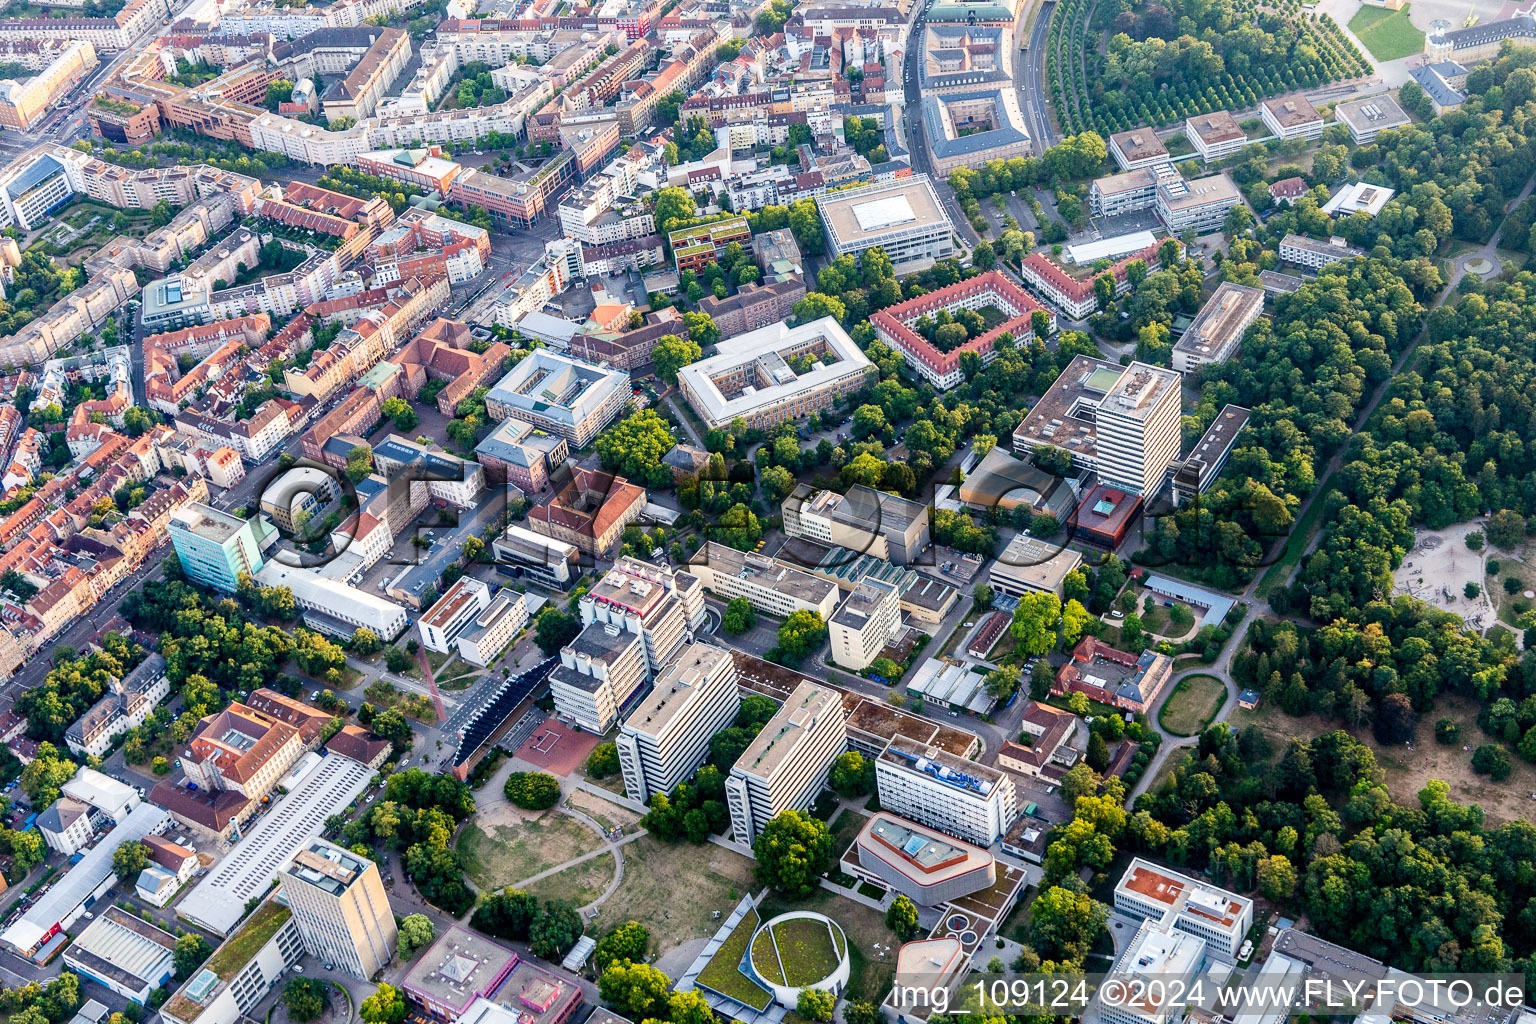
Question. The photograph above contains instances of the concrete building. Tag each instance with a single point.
(1122, 422)
(1218, 329)
(1029, 566)
(1200, 205)
(494, 628)
(933, 787)
(242, 971)
(1215, 136)
(599, 673)
(776, 374)
(550, 562)
(1308, 252)
(341, 908)
(1358, 197)
(459, 968)
(903, 217)
(1139, 147)
(333, 607)
(665, 608)
(124, 954)
(697, 247)
(926, 866)
(865, 520)
(1156, 960)
(293, 499)
(1152, 892)
(1371, 116)
(448, 478)
(564, 397)
(895, 325)
(1208, 457)
(786, 765)
(214, 548)
(767, 585)
(452, 613)
(667, 735)
(24, 101)
(869, 618)
(1291, 117)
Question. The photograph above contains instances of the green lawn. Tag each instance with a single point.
(1192, 705)
(1389, 35)
(722, 974)
(1279, 573)
(807, 952)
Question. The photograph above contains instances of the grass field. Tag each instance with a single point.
(507, 854)
(579, 884)
(870, 975)
(1279, 573)
(1389, 35)
(1192, 705)
(723, 972)
(674, 890)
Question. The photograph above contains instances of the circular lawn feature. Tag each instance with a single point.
(799, 950)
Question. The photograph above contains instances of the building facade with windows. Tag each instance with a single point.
(786, 765)
(667, 735)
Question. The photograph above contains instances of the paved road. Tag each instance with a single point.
(1029, 77)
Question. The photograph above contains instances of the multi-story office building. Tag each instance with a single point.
(902, 217)
(775, 374)
(1152, 892)
(453, 613)
(214, 548)
(926, 866)
(561, 396)
(1309, 252)
(1127, 192)
(599, 672)
(1291, 117)
(292, 500)
(493, 628)
(754, 306)
(333, 607)
(865, 520)
(24, 102)
(787, 764)
(342, 910)
(767, 585)
(1215, 136)
(1122, 422)
(667, 735)
(869, 618)
(1208, 458)
(1139, 147)
(128, 704)
(448, 478)
(243, 969)
(1369, 117)
(931, 786)
(1162, 960)
(1200, 205)
(664, 607)
(545, 560)
(1218, 329)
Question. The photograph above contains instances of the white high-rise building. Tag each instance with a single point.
(1138, 428)
(664, 607)
(869, 618)
(342, 910)
(964, 798)
(787, 764)
(598, 672)
(667, 735)
(1155, 893)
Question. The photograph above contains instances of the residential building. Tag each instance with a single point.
(1122, 422)
(865, 520)
(132, 699)
(664, 607)
(765, 584)
(957, 796)
(1139, 147)
(1151, 892)
(340, 905)
(1218, 329)
(895, 325)
(1371, 116)
(589, 511)
(599, 672)
(1208, 457)
(1215, 136)
(786, 765)
(1308, 252)
(24, 101)
(333, 607)
(1071, 290)
(179, 860)
(1291, 117)
(922, 864)
(65, 825)
(214, 548)
(775, 374)
(1286, 191)
(241, 750)
(452, 613)
(667, 734)
(124, 954)
(868, 619)
(1029, 565)
(561, 396)
(494, 628)
(903, 217)
(697, 247)
(242, 971)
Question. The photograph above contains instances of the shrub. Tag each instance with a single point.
(533, 791)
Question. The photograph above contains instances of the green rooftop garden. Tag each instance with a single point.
(802, 951)
(723, 972)
(240, 947)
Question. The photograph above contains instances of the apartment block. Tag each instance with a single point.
(1218, 328)
(869, 618)
(665, 608)
(933, 787)
(1152, 892)
(786, 765)
(697, 247)
(340, 905)
(452, 613)
(667, 735)
(599, 672)
(767, 585)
